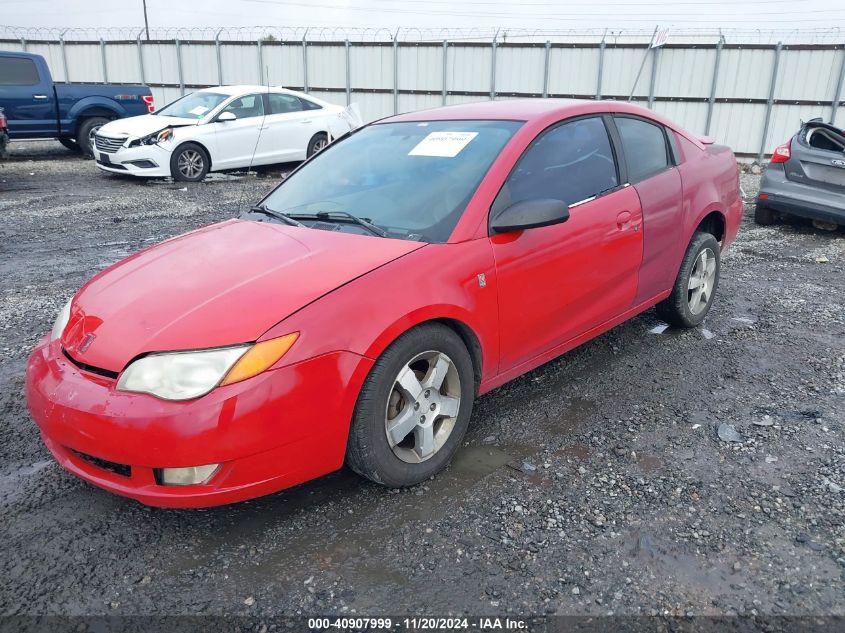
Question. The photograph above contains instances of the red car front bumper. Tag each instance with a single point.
(281, 428)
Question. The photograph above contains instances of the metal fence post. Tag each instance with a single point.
(395, 73)
(141, 59)
(546, 69)
(494, 45)
(348, 74)
(219, 59)
(23, 44)
(837, 95)
(712, 100)
(445, 69)
(103, 57)
(770, 102)
(64, 57)
(305, 62)
(602, 46)
(261, 63)
(179, 66)
(655, 57)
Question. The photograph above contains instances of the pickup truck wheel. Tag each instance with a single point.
(189, 163)
(695, 287)
(70, 143)
(763, 215)
(85, 135)
(413, 409)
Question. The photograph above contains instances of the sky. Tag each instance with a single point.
(457, 14)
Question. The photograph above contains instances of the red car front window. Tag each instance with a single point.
(411, 179)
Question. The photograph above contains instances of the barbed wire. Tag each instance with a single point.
(416, 34)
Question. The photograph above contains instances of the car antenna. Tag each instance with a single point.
(257, 140)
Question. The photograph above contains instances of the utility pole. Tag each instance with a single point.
(146, 23)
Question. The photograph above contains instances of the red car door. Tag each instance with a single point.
(651, 170)
(556, 282)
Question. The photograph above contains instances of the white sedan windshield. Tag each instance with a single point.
(193, 106)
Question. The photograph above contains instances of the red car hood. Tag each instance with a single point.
(221, 285)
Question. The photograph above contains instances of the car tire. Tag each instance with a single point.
(85, 134)
(696, 284)
(317, 143)
(70, 143)
(763, 215)
(189, 163)
(385, 408)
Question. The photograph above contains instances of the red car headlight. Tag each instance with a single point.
(191, 374)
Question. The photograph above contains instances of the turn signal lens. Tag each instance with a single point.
(782, 153)
(260, 357)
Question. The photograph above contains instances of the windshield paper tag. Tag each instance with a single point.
(198, 110)
(443, 144)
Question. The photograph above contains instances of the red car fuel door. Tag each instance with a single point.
(556, 282)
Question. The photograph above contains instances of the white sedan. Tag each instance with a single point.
(226, 127)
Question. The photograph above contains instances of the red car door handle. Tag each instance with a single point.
(623, 219)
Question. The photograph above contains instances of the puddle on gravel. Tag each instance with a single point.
(649, 463)
(11, 484)
(687, 570)
(353, 535)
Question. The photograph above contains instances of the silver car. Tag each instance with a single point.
(806, 178)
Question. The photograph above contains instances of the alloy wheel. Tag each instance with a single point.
(422, 407)
(190, 163)
(701, 281)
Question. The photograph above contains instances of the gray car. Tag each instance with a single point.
(806, 178)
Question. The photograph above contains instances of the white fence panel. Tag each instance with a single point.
(160, 63)
(745, 73)
(85, 63)
(240, 63)
(808, 74)
(327, 66)
(808, 77)
(520, 69)
(199, 64)
(122, 63)
(620, 70)
(468, 68)
(421, 67)
(573, 71)
(369, 67)
(683, 72)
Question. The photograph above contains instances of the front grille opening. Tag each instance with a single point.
(105, 373)
(108, 144)
(118, 469)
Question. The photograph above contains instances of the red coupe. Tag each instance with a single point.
(356, 313)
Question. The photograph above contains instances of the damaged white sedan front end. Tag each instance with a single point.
(226, 127)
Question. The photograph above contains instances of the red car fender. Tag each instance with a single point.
(459, 285)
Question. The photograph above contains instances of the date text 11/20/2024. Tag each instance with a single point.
(417, 624)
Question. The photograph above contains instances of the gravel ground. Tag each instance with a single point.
(596, 484)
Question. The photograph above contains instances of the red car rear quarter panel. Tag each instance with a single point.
(662, 201)
(438, 281)
(710, 184)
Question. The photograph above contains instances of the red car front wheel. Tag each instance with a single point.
(414, 408)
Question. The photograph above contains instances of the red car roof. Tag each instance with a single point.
(540, 111)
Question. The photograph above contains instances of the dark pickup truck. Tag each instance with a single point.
(36, 107)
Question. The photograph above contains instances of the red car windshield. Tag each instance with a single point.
(413, 180)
